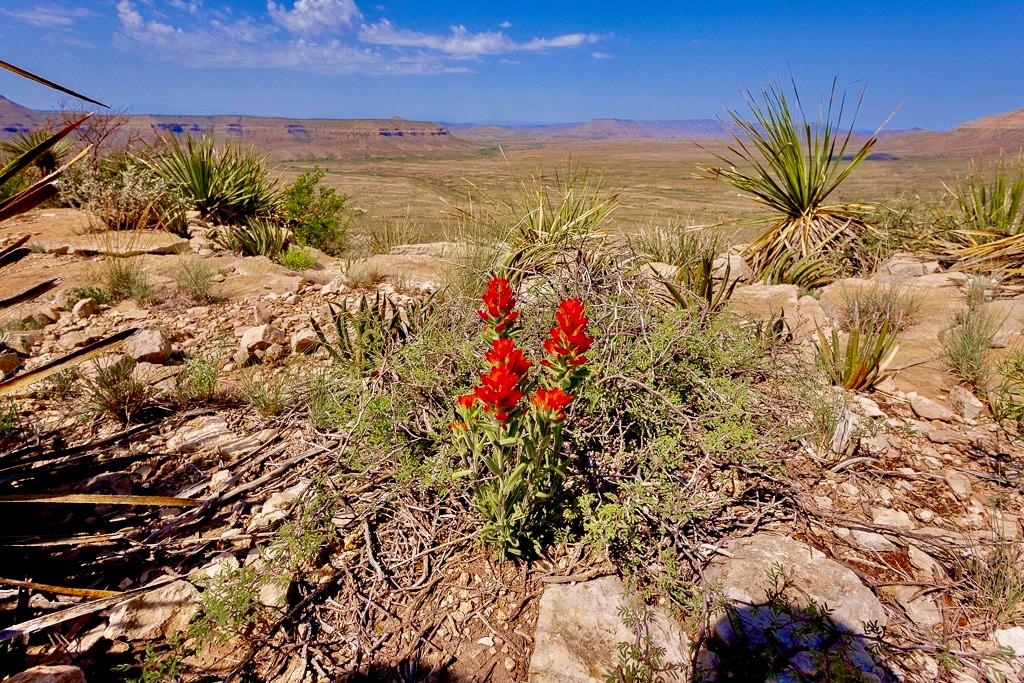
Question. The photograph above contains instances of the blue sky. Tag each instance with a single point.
(524, 61)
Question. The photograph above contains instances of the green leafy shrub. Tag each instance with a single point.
(227, 185)
(97, 294)
(270, 394)
(297, 259)
(123, 193)
(197, 380)
(318, 215)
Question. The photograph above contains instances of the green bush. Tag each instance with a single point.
(226, 185)
(318, 215)
(297, 259)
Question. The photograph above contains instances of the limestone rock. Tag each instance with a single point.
(158, 613)
(261, 337)
(927, 409)
(1012, 638)
(739, 271)
(63, 673)
(85, 308)
(149, 346)
(22, 341)
(965, 403)
(743, 578)
(767, 301)
(201, 433)
(304, 341)
(78, 338)
(959, 483)
(579, 628)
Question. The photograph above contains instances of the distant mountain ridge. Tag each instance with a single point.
(285, 138)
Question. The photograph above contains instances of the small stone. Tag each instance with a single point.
(927, 409)
(23, 341)
(869, 408)
(1012, 638)
(890, 517)
(263, 313)
(305, 341)
(510, 664)
(965, 403)
(292, 299)
(486, 641)
(875, 445)
(869, 540)
(9, 362)
(85, 308)
(924, 562)
(149, 346)
(849, 489)
(260, 337)
(63, 673)
(959, 483)
(924, 514)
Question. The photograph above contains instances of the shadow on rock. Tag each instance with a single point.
(780, 641)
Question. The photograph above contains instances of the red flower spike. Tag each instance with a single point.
(504, 354)
(499, 305)
(552, 402)
(467, 401)
(569, 339)
(499, 392)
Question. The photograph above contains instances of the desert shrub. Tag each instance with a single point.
(676, 245)
(258, 237)
(297, 259)
(695, 282)
(97, 294)
(122, 193)
(396, 232)
(1007, 397)
(316, 214)
(9, 420)
(13, 186)
(195, 279)
(125, 278)
(876, 305)
(791, 166)
(227, 185)
(197, 380)
(967, 342)
(993, 579)
(114, 388)
(858, 361)
(270, 394)
(46, 162)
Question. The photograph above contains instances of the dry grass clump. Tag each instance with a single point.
(269, 393)
(113, 388)
(198, 379)
(877, 305)
(967, 342)
(125, 278)
(195, 279)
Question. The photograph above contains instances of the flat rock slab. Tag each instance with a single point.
(159, 613)
(579, 629)
(61, 673)
(775, 587)
(124, 243)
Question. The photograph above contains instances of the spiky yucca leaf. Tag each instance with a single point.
(807, 273)
(258, 237)
(45, 157)
(791, 166)
(858, 363)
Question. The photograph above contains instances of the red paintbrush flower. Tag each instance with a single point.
(569, 339)
(499, 392)
(467, 401)
(504, 354)
(552, 402)
(499, 306)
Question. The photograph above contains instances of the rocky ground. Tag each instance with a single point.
(897, 534)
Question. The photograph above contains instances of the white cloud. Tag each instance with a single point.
(49, 16)
(602, 55)
(461, 42)
(314, 17)
(323, 36)
(505, 25)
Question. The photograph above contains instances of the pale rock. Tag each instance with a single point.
(579, 628)
(61, 673)
(225, 563)
(208, 432)
(959, 484)
(921, 609)
(274, 592)
(149, 346)
(924, 514)
(927, 409)
(304, 341)
(849, 489)
(158, 613)
(739, 271)
(260, 337)
(965, 403)
(889, 517)
(875, 445)
(846, 429)
(767, 301)
(277, 506)
(262, 313)
(869, 408)
(869, 540)
(74, 340)
(1012, 638)
(22, 341)
(924, 562)
(85, 308)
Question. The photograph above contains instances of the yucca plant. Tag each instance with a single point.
(48, 161)
(258, 237)
(858, 363)
(695, 282)
(362, 336)
(990, 216)
(808, 272)
(226, 185)
(792, 166)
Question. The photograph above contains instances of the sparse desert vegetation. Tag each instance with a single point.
(269, 429)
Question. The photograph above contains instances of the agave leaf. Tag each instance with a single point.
(38, 192)
(12, 256)
(30, 293)
(28, 157)
(59, 590)
(100, 499)
(14, 245)
(50, 84)
(16, 384)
